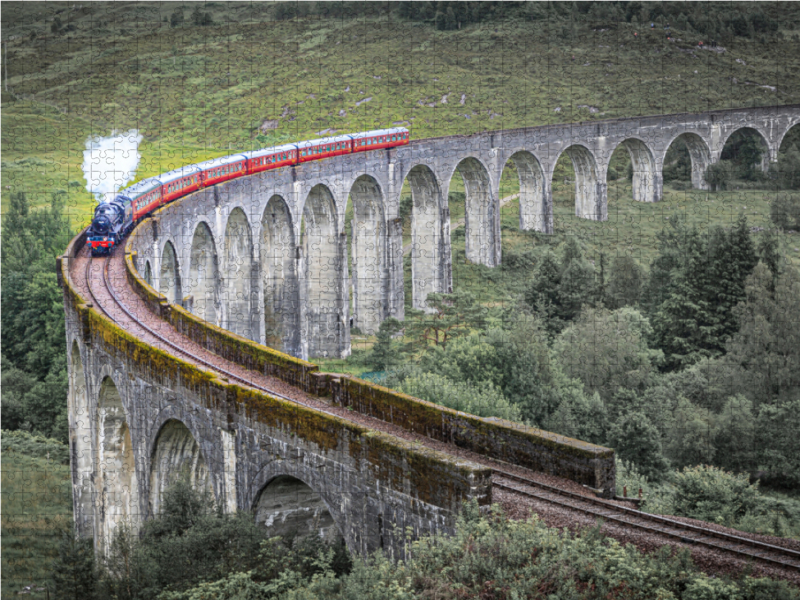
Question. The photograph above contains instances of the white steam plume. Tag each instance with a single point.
(110, 162)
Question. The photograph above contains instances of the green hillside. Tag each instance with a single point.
(196, 91)
(37, 504)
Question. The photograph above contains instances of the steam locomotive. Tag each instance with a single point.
(114, 219)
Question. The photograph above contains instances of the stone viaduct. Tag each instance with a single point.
(261, 263)
(266, 256)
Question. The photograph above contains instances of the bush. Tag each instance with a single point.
(711, 494)
(481, 399)
(719, 175)
(37, 446)
(785, 211)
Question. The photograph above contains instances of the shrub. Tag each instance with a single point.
(719, 175)
(785, 211)
(481, 399)
(708, 493)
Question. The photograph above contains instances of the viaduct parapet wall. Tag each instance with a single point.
(262, 261)
(266, 256)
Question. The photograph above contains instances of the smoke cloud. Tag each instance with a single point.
(110, 162)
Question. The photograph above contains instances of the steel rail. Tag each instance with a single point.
(684, 532)
(606, 510)
(169, 342)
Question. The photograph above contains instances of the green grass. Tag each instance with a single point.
(36, 505)
(199, 92)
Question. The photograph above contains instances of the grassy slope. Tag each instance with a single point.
(198, 92)
(37, 502)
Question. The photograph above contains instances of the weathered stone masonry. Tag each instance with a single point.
(265, 257)
(285, 279)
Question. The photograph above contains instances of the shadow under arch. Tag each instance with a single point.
(279, 278)
(176, 454)
(290, 508)
(643, 164)
(754, 133)
(535, 207)
(699, 153)
(116, 481)
(430, 236)
(239, 307)
(324, 268)
(369, 277)
(589, 202)
(80, 436)
(204, 275)
(170, 278)
(481, 214)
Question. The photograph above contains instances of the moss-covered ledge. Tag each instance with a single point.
(408, 468)
(510, 442)
(215, 339)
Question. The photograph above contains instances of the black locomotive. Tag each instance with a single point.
(111, 222)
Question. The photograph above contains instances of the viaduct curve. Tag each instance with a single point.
(263, 259)
(265, 256)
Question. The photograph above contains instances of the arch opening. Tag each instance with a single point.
(788, 167)
(80, 444)
(367, 241)
(204, 275)
(117, 485)
(588, 192)
(169, 279)
(535, 212)
(747, 153)
(481, 218)
(148, 273)
(177, 454)
(325, 269)
(289, 508)
(238, 301)
(279, 278)
(426, 235)
(686, 159)
(638, 168)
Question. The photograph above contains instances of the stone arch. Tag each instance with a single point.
(170, 276)
(766, 155)
(782, 137)
(148, 273)
(430, 236)
(204, 274)
(80, 437)
(368, 246)
(238, 304)
(279, 277)
(700, 154)
(644, 186)
(323, 251)
(590, 200)
(176, 454)
(116, 480)
(481, 216)
(290, 508)
(535, 207)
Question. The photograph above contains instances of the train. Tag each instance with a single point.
(115, 218)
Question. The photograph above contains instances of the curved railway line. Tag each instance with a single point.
(656, 524)
(786, 560)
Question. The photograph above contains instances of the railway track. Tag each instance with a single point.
(663, 527)
(655, 524)
(175, 347)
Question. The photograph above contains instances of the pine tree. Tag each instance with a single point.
(73, 572)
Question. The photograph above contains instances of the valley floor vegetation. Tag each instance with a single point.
(191, 551)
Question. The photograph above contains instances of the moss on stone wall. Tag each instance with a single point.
(427, 475)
